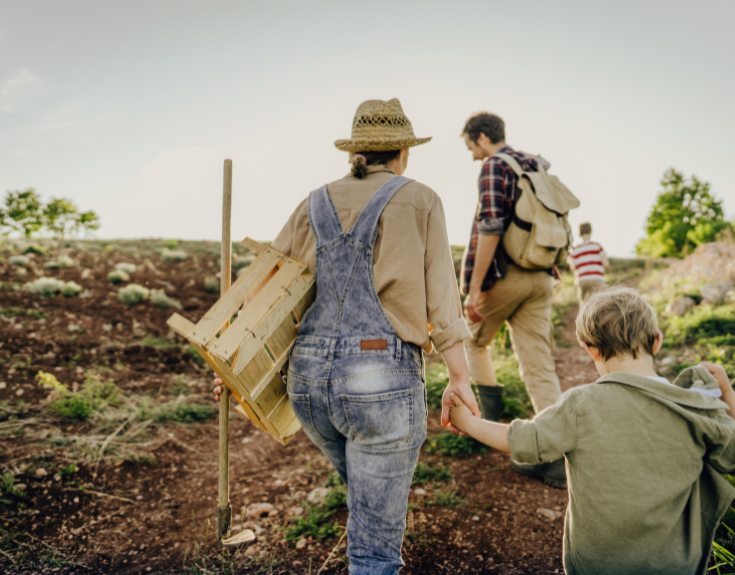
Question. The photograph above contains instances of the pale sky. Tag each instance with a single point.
(130, 107)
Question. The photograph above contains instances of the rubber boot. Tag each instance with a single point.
(553, 473)
(491, 401)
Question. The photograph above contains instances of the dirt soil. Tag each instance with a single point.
(157, 515)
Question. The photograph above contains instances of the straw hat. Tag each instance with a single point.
(380, 126)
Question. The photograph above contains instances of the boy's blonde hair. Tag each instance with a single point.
(617, 321)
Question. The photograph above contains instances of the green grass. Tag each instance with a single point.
(178, 411)
(94, 396)
(702, 322)
(424, 474)
(454, 445)
(516, 402)
(447, 499)
(315, 523)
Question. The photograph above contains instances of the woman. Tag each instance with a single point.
(377, 244)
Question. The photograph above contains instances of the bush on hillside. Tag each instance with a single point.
(685, 215)
(168, 255)
(133, 294)
(118, 277)
(126, 268)
(45, 287)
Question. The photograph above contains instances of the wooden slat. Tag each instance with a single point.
(207, 328)
(268, 379)
(279, 339)
(250, 414)
(229, 343)
(272, 395)
(290, 430)
(180, 325)
(254, 246)
(282, 416)
(255, 371)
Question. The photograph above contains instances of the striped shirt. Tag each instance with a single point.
(587, 260)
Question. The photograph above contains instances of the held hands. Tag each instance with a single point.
(461, 392)
(460, 415)
(721, 376)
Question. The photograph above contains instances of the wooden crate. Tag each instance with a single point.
(251, 356)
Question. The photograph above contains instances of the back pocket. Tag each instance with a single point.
(382, 421)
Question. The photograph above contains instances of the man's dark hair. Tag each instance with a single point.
(485, 123)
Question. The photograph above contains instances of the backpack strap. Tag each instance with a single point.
(512, 162)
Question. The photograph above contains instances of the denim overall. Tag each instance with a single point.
(357, 389)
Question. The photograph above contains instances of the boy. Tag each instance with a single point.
(644, 457)
(588, 261)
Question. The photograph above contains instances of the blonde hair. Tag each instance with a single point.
(617, 321)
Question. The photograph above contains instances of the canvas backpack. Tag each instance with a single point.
(539, 235)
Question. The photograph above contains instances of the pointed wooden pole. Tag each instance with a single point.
(224, 509)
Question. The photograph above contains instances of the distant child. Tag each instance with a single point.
(588, 260)
(644, 457)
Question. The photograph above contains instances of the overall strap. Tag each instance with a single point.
(323, 217)
(365, 229)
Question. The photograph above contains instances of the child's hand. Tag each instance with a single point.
(460, 414)
(720, 375)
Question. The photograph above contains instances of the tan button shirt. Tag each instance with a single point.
(412, 262)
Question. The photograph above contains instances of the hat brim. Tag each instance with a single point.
(373, 145)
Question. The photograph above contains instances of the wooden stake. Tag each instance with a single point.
(224, 509)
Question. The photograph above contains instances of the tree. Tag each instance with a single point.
(22, 212)
(25, 213)
(61, 217)
(685, 215)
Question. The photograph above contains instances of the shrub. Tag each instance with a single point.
(46, 287)
(132, 294)
(448, 499)
(49, 381)
(35, 249)
(315, 523)
(423, 474)
(173, 255)
(702, 322)
(159, 298)
(516, 402)
(126, 268)
(70, 289)
(180, 411)
(454, 445)
(211, 284)
(21, 261)
(117, 277)
(94, 395)
(65, 262)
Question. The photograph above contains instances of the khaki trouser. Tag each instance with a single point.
(523, 299)
(588, 284)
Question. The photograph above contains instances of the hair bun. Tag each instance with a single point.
(359, 166)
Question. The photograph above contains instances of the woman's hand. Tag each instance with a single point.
(463, 391)
(460, 415)
(459, 384)
(217, 387)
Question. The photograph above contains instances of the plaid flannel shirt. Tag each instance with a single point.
(497, 185)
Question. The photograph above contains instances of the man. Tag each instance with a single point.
(588, 261)
(498, 290)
